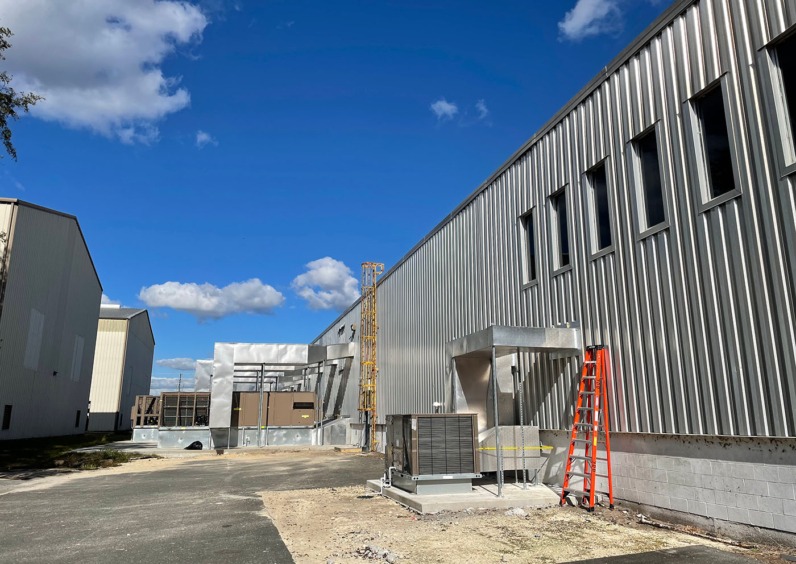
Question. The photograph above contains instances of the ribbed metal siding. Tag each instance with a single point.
(106, 379)
(699, 316)
(137, 366)
(50, 270)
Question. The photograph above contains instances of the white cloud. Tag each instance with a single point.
(177, 363)
(204, 138)
(444, 110)
(483, 111)
(107, 301)
(589, 18)
(327, 284)
(159, 384)
(209, 301)
(98, 64)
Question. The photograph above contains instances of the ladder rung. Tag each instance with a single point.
(599, 441)
(589, 362)
(582, 475)
(588, 377)
(581, 492)
(586, 393)
(599, 425)
(578, 457)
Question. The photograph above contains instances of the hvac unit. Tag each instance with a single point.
(432, 453)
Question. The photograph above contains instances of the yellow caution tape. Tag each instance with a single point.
(543, 447)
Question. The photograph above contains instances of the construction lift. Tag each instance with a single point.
(368, 369)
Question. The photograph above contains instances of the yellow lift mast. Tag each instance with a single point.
(368, 369)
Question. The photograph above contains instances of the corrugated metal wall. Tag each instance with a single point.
(699, 314)
(122, 370)
(109, 356)
(138, 366)
(50, 277)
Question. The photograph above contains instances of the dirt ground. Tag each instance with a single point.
(340, 524)
(352, 524)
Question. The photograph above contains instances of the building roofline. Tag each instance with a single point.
(664, 19)
(148, 322)
(135, 313)
(18, 202)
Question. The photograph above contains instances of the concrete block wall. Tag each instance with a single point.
(741, 480)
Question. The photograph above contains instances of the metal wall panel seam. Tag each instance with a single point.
(769, 219)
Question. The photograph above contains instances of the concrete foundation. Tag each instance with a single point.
(454, 484)
(145, 435)
(181, 438)
(718, 482)
(479, 497)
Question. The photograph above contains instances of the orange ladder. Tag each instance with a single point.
(590, 443)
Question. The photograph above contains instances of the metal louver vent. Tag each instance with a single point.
(445, 445)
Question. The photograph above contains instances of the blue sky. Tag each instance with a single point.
(229, 161)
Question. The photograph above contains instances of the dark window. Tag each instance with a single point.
(7, 417)
(786, 57)
(185, 415)
(303, 405)
(647, 151)
(530, 241)
(716, 141)
(77, 418)
(185, 409)
(602, 214)
(560, 210)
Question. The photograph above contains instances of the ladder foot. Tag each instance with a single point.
(611, 506)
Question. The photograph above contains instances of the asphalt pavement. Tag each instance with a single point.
(194, 512)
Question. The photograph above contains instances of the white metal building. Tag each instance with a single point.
(49, 301)
(656, 212)
(122, 366)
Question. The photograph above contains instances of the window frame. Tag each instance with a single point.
(638, 192)
(525, 258)
(698, 165)
(593, 227)
(555, 244)
(781, 131)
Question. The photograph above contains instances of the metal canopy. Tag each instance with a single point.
(511, 340)
(473, 368)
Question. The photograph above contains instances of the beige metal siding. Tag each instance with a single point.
(699, 314)
(106, 378)
(50, 271)
(137, 367)
(122, 371)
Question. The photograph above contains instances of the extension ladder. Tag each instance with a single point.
(590, 443)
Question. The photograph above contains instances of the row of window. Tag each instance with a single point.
(711, 137)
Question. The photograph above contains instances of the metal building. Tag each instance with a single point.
(49, 301)
(656, 212)
(122, 366)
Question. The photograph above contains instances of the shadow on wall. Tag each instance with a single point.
(99, 421)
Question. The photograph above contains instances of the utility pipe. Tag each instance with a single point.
(498, 450)
(521, 378)
(260, 385)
